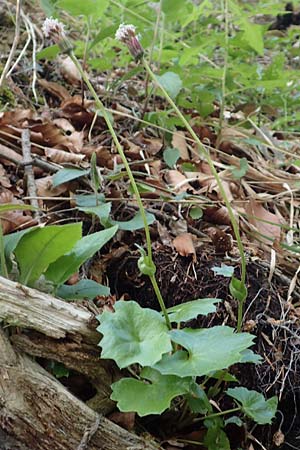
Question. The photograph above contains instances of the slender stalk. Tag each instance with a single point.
(107, 119)
(221, 413)
(105, 114)
(225, 64)
(160, 300)
(202, 151)
(4, 271)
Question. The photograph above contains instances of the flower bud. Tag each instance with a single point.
(127, 35)
(54, 30)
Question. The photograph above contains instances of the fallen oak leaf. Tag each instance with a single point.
(266, 223)
(184, 245)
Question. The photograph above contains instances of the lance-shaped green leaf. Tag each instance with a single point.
(133, 335)
(36, 250)
(190, 310)
(84, 249)
(145, 398)
(208, 350)
(254, 404)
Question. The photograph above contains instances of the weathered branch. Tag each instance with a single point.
(29, 308)
(58, 331)
(41, 414)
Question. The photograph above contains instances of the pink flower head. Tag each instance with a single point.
(127, 35)
(54, 30)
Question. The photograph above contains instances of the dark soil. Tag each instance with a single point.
(267, 315)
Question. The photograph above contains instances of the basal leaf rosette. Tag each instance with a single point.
(133, 334)
(206, 351)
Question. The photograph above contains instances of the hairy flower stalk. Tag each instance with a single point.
(130, 30)
(55, 31)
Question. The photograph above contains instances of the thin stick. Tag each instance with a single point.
(29, 176)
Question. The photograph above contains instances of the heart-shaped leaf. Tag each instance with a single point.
(171, 82)
(145, 398)
(190, 310)
(208, 350)
(133, 335)
(254, 404)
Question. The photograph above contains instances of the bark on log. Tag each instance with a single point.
(37, 411)
(65, 333)
(29, 308)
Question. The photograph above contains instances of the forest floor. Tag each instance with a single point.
(192, 238)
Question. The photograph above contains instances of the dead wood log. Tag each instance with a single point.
(56, 330)
(37, 411)
(30, 308)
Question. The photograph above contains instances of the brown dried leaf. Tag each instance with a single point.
(184, 245)
(4, 180)
(217, 215)
(78, 114)
(60, 156)
(179, 142)
(55, 89)
(69, 71)
(178, 181)
(6, 153)
(45, 187)
(16, 117)
(258, 216)
(124, 419)
(13, 220)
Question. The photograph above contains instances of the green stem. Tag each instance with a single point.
(225, 64)
(202, 151)
(102, 109)
(222, 413)
(106, 117)
(160, 300)
(4, 271)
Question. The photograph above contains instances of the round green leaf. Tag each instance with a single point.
(190, 310)
(145, 398)
(133, 335)
(254, 404)
(208, 350)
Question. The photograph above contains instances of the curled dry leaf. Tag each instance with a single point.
(179, 142)
(14, 220)
(60, 156)
(45, 187)
(184, 245)
(15, 117)
(79, 114)
(266, 223)
(57, 90)
(69, 71)
(178, 181)
(7, 154)
(103, 155)
(217, 215)
(4, 180)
